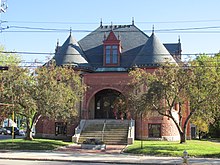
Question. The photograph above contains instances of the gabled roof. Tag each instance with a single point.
(153, 53)
(111, 37)
(70, 53)
(132, 39)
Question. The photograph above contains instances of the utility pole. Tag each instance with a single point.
(3, 8)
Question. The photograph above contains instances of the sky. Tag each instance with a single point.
(35, 26)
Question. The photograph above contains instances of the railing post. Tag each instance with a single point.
(130, 127)
(131, 132)
(103, 130)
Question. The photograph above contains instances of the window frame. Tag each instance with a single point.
(111, 56)
(60, 128)
(150, 129)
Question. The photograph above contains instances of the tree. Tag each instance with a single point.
(18, 90)
(202, 124)
(214, 129)
(170, 86)
(120, 107)
(204, 91)
(51, 91)
(6, 60)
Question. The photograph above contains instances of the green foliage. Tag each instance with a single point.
(201, 125)
(8, 58)
(137, 99)
(205, 94)
(195, 148)
(165, 88)
(172, 85)
(51, 91)
(16, 89)
(214, 129)
(37, 144)
(60, 89)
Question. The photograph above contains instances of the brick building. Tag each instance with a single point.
(104, 58)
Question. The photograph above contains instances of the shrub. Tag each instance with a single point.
(93, 141)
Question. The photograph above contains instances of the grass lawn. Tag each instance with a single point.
(36, 144)
(195, 148)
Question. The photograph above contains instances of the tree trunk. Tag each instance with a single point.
(199, 135)
(182, 132)
(182, 137)
(29, 132)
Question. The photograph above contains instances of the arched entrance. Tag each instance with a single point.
(106, 104)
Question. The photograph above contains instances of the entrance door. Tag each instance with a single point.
(104, 104)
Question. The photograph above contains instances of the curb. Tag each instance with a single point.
(83, 161)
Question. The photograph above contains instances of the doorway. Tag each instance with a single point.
(105, 104)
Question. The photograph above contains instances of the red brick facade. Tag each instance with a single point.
(100, 81)
(105, 57)
(119, 82)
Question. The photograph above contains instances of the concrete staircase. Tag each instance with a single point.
(109, 131)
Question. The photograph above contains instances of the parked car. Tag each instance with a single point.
(21, 133)
(2, 130)
(8, 131)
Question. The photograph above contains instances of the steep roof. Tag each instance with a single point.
(70, 53)
(136, 48)
(132, 39)
(153, 53)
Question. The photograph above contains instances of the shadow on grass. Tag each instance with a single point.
(214, 155)
(155, 150)
(31, 145)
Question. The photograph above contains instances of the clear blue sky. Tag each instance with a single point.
(86, 15)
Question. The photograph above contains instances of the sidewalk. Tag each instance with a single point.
(112, 154)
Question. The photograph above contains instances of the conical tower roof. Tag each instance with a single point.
(153, 53)
(70, 53)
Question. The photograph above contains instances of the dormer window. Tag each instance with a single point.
(111, 50)
(111, 54)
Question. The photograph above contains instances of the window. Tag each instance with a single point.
(154, 130)
(60, 128)
(108, 54)
(111, 54)
(114, 54)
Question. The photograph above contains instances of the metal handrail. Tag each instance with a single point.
(103, 130)
(130, 127)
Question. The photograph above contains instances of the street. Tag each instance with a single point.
(27, 162)
(2, 137)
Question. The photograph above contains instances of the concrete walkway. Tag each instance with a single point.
(112, 154)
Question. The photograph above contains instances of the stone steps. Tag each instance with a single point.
(115, 131)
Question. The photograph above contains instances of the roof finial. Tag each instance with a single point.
(101, 22)
(132, 20)
(179, 39)
(57, 47)
(111, 26)
(104, 36)
(153, 29)
(70, 30)
(57, 42)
